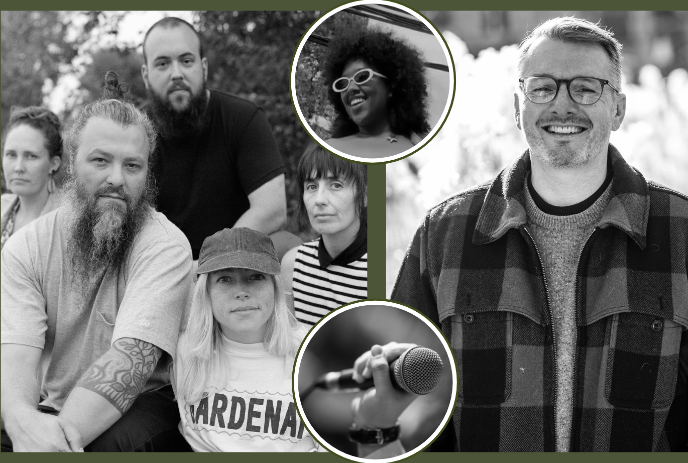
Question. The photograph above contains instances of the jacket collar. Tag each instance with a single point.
(504, 206)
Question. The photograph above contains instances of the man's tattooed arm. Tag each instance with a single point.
(110, 386)
(120, 374)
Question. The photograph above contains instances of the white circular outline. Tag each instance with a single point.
(309, 337)
(447, 106)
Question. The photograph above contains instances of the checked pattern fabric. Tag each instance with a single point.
(474, 269)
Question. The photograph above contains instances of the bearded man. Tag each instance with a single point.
(219, 166)
(92, 299)
(561, 284)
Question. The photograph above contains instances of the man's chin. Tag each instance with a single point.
(179, 103)
(104, 204)
(566, 157)
(179, 113)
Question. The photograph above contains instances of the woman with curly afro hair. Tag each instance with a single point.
(377, 86)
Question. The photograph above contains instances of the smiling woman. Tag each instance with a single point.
(239, 346)
(376, 83)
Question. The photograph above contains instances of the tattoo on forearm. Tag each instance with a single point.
(120, 374)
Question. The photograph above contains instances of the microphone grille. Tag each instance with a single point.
(418, 370)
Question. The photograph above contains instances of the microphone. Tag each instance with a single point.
(418, 371)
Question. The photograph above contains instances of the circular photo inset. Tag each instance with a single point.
(375, 380)
(372, 81)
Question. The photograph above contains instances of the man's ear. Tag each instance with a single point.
(204, 63)
(517, 111)
(144, 75)
(619, 111)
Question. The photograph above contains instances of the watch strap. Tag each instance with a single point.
(374, 436)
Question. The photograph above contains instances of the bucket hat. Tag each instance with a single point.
(238, 248)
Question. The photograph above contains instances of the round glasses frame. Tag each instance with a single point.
(558, 82)
(353, 79)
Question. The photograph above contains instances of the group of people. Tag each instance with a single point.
(154, 273)
(561, 285)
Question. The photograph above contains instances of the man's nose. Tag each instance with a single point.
(115, 176)
(176, 70)
(562, 103)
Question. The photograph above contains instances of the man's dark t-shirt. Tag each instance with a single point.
(204, 181)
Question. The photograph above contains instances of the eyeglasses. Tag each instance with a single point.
(582, 90)
(361, 77)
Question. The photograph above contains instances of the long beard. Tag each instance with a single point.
(99, 237)
(174, 124)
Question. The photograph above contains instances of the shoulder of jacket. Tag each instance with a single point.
(459, 202)
(658, 188)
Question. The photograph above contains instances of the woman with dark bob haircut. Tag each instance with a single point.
(331, 271)
(377, 86)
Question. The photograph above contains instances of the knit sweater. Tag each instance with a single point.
(560, 240)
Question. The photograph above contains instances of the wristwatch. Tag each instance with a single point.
(374, 436)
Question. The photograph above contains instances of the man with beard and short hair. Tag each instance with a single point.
(219, 166)
(561, 284)
(92, 300)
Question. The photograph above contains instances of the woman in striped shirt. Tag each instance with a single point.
(332, 270)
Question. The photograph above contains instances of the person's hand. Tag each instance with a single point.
(42, 432)
(379, 407)
(391, 351)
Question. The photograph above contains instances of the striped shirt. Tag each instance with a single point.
(318, 291)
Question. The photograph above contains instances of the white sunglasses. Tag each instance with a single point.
(361, 77)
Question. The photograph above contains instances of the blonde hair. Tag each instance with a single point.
(198, 356)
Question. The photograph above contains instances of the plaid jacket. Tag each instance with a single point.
(474, 269)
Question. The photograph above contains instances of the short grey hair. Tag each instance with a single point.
(122, 113)
(575, 30)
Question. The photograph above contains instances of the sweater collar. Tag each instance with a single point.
(504, 206)
(352, 253)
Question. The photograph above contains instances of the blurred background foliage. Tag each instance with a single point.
(480, 137)
(249, 54)
(311, 91)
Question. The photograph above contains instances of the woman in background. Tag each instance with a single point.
(377, 86)
(332, 270)
(31, 155)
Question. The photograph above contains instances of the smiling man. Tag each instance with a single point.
(561, 284)
(218, 162)
(92, 300)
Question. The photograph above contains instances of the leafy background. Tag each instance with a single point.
(249, 54)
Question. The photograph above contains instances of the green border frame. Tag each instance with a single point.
(376, 208)
(324, 5)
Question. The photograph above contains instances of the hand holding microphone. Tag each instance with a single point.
(381, 406)
(417, 370)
